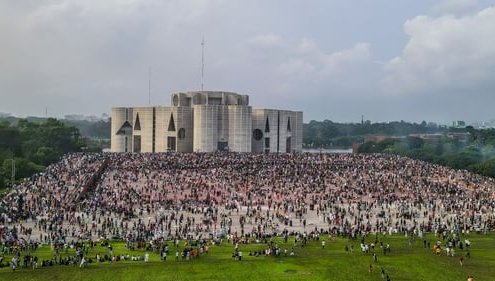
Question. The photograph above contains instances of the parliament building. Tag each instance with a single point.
(206, 121)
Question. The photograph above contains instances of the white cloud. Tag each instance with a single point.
(337, 61)
(308, 58)
(304, 57)
(444, 54)
(296, 66)
(307, 46)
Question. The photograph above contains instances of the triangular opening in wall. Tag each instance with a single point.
(126, 127)
(137, 124)
(171, 123)
(288, 125)
(267, 126)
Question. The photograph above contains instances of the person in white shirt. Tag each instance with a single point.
(146, 257)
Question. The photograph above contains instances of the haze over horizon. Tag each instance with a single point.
(337, 60)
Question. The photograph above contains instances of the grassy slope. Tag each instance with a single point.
(310, 263)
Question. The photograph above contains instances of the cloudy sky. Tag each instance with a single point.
(340, 59)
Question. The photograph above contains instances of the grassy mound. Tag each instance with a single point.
(312, 262)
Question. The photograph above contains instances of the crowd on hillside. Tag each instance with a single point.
(156, 197)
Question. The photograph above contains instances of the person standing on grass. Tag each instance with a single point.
(13, 263)
(146, 257)
(323, 244)
(83, 262)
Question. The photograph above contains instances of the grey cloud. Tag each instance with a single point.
(454, 7)
(85, 56)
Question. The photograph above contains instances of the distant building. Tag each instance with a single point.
(459, 124)
(380, 138)
(206, 121)
(461, 137)
(75, 117)
(483, 124)
(429, 138)
(91, 118)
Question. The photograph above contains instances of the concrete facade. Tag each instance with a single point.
(276, 131)
(206, 121)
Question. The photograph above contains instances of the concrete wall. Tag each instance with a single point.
(280, 138)
(121, 136)
(184, 121)
(239, 129)
(205, 128)
(162, 115)
(269, 139)
(146, 132)
(258, 123)
(191, 99)
(298, 129)
(206, 122)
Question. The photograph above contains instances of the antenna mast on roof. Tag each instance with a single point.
(202, 62)
(149, 85)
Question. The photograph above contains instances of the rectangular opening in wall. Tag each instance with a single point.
(214, 101)
(222, 146)
(171, 144)
(267, 142)
(154, 131)
(137, 144)
(287, 145)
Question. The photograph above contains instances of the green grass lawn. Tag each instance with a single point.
(309, 263)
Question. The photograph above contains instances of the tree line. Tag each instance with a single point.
(469, 149)
(327, 134)
(33, 146)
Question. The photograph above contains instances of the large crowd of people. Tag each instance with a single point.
(166, 196)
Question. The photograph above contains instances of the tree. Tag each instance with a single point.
(414, 142)
(34, 145)
(486, 168)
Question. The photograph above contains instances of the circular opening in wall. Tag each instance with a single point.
(257, 134)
